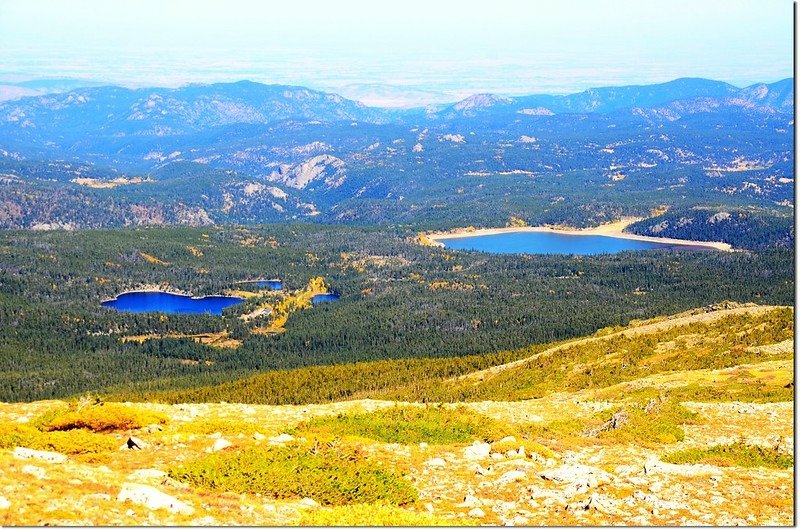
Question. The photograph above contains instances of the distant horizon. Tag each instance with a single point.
(96, 84)
(399, 55)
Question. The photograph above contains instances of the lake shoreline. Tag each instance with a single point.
(614, 229)
(161, 290)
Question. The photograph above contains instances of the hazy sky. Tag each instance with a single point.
(441, 48)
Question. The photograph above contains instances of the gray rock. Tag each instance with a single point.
(654, 466)
(480, 470)
(154, 427)
(309, 503)
(36, 471)
(4, 504)
(219, 445)
(508, 477)
(147, 474)
(508, 439)
(576, 473)
(133, 444)
(281, 439)
(477, 451)
(436, 462)
(470, 501)
(477, 513)
(152, 498)
(579, 478)
(45, 456)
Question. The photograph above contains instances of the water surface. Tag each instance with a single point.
(548, 243)
(275, 285)
(321, 298)
(154, 301)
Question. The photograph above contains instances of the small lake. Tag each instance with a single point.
(275, 285)
(322, 298)
(154, 301)
(548, 243)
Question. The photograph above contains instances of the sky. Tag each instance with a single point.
(395, 52)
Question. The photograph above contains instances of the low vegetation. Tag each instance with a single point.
(88, 445)
(611, 360)
(331, 474)
(436, 425)
(376, 515)
(654, 422)
(736, 454)
(97, 417)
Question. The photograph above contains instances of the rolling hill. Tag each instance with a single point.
(686, 420)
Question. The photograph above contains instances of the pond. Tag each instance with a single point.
(549, 243)
(321, 298)
(275, 285)
(155, 301)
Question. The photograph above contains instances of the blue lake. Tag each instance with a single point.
(548, 243)
(320, 298)
(275, 285)
(153, 301)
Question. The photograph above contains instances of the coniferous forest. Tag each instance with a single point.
(398, 300)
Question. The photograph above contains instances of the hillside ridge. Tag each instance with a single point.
(682, 446)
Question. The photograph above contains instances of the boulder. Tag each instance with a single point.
(45, 456)
(4, 504)
(600, 503)
(147, 474)
(309, 502)
(152, 498)
(508, 477)
(477, 451)
(219, 445)
(480, 470)
(36, 471)
(436, 462)
(576, 473)
(579, 478)
(281, 439)
(477, 513)
(133, 443)
(656, 466)
(470, 501)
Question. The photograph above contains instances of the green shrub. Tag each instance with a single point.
(70, 443)
(75, 443)
(737, 454)
(16, 434)
(411, 425)
(331, 474)
(97, 417)
(656, 422)
(375, 515)
(225, 426)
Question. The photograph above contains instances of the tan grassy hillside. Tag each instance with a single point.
(684, 420)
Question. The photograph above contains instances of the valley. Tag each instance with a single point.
(398, 300)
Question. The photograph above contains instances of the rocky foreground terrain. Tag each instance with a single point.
(580, 479)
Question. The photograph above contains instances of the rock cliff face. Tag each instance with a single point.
(327, 168)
